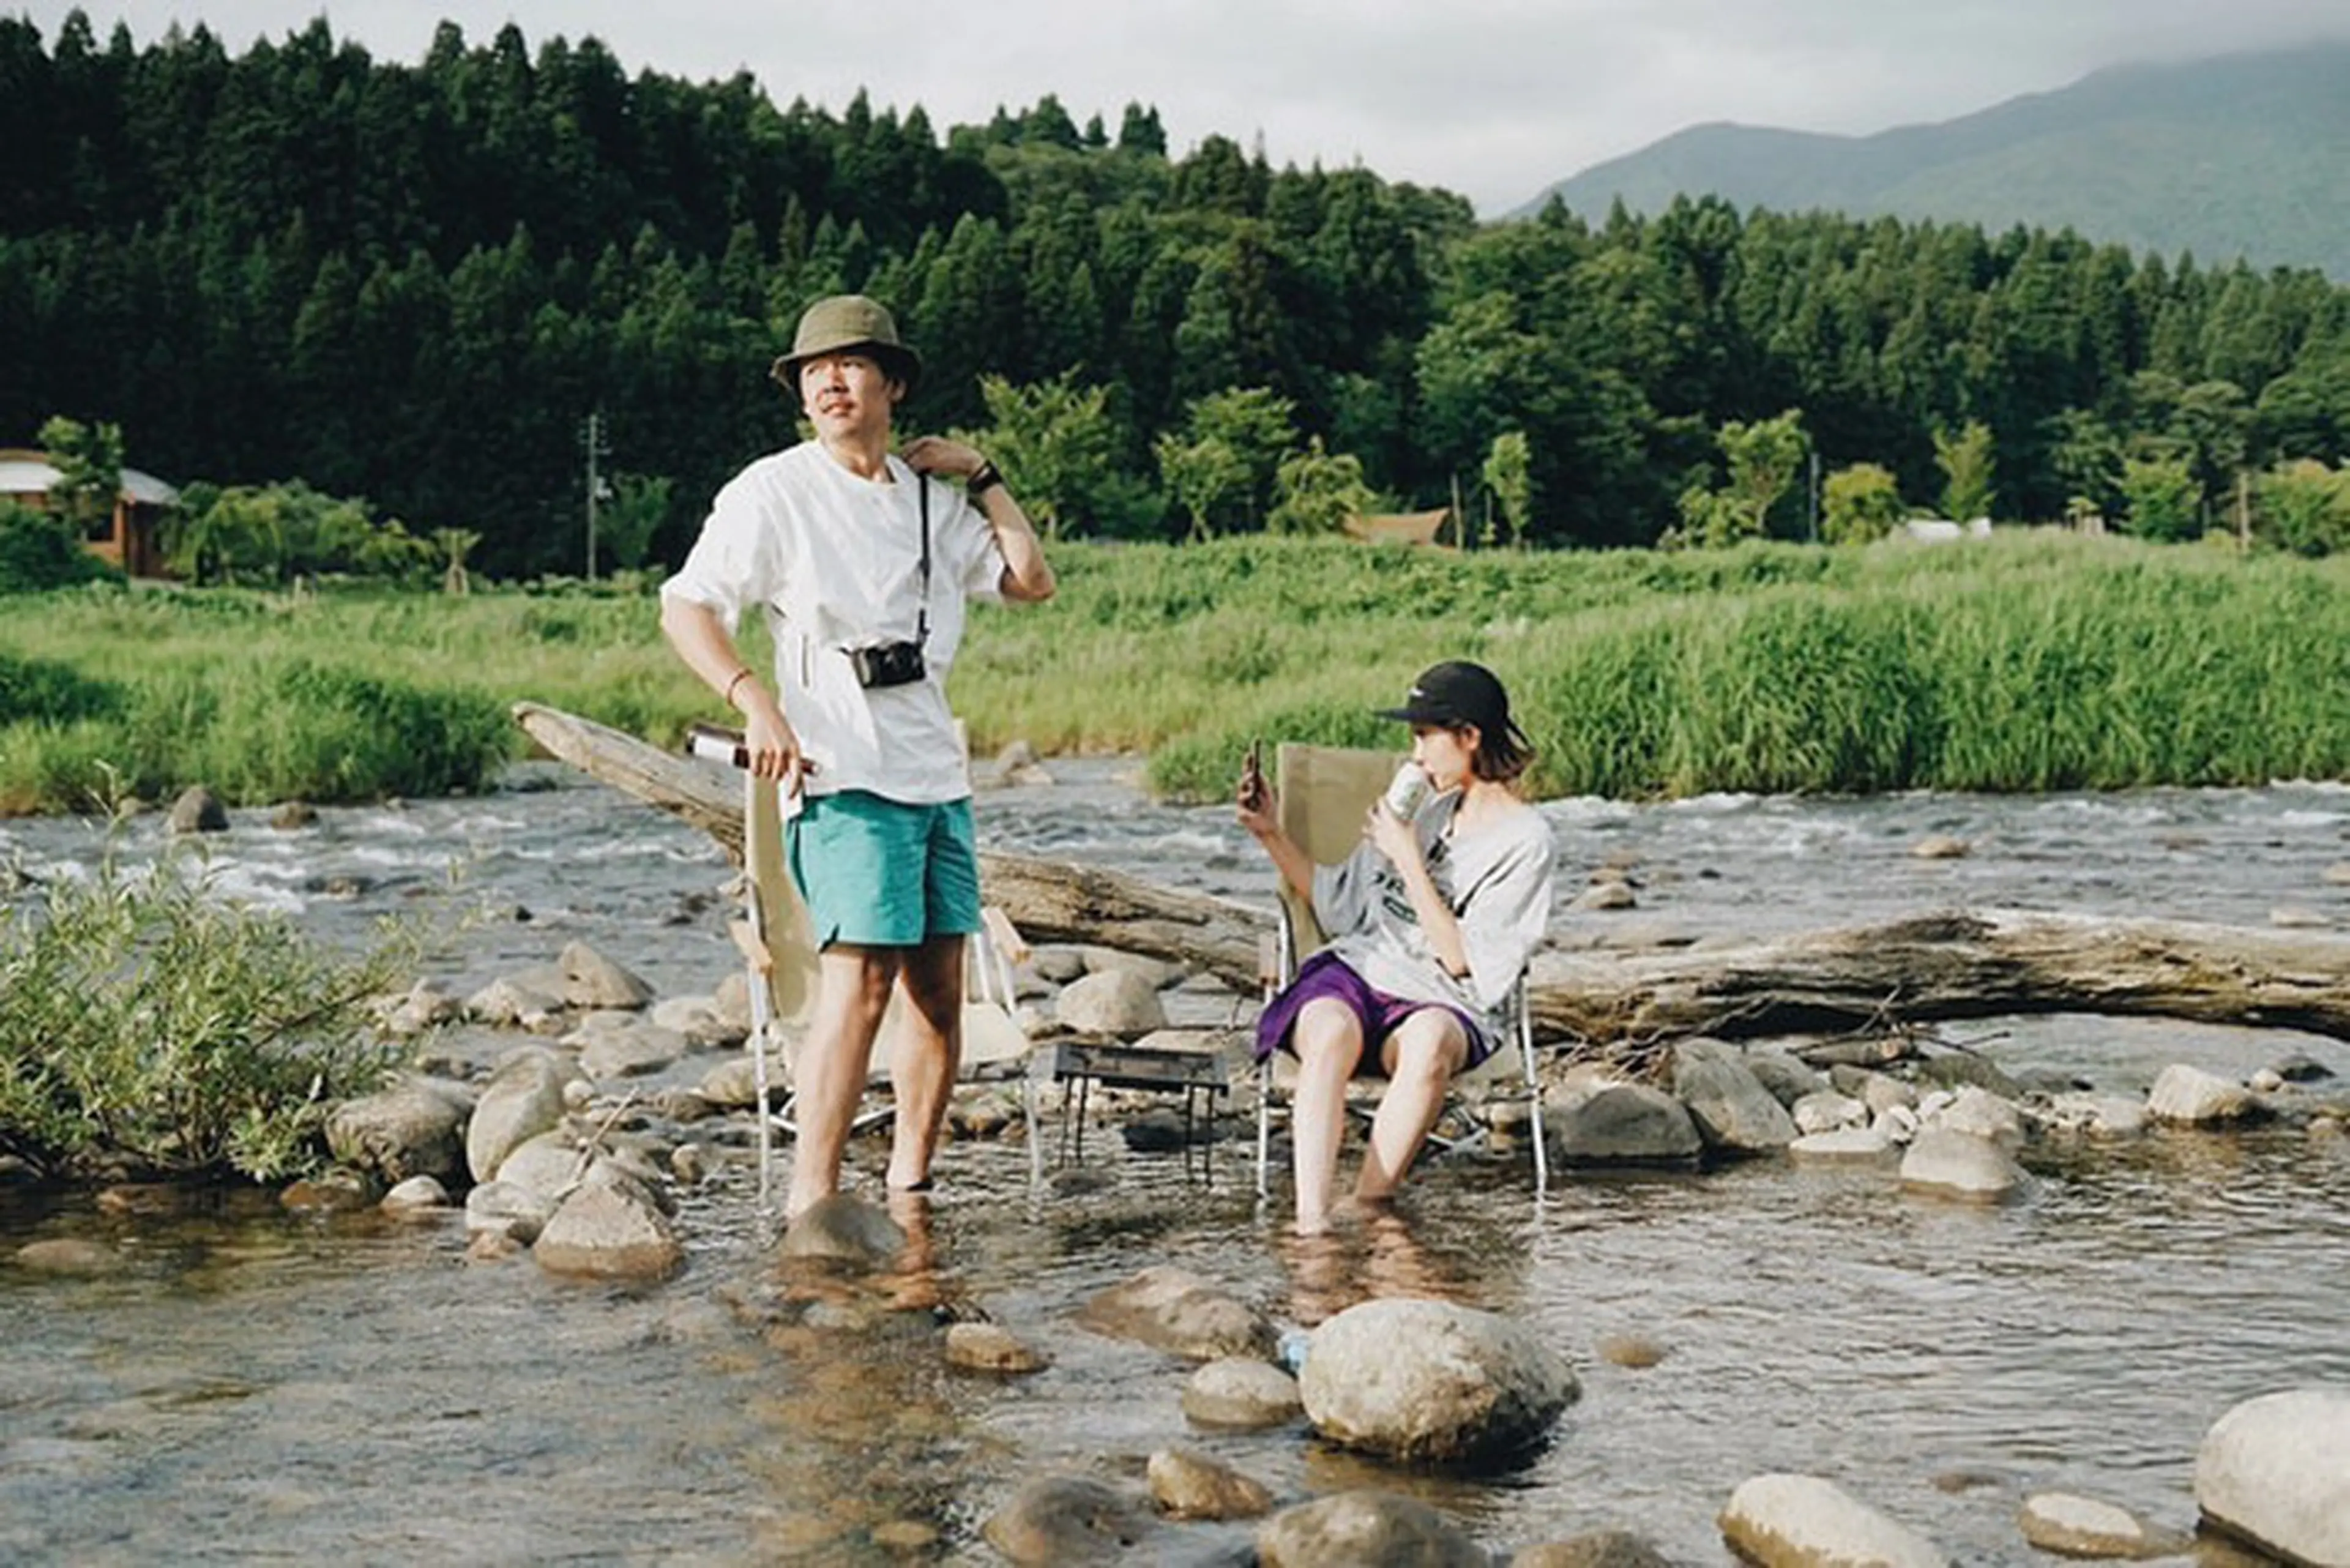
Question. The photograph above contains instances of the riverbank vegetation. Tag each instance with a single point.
(149, 1029)
(2028, 661)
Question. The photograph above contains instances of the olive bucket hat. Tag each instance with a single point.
(849, 321)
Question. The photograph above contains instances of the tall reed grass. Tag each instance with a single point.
(2023, 663)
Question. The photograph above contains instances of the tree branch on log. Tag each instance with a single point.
(1962, 964)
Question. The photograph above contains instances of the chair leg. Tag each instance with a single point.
(1263, 1126)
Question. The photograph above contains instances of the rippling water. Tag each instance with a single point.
(251, 1386)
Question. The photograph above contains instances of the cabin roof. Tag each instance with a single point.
(23, 472)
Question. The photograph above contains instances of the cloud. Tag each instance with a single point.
(1494, 99)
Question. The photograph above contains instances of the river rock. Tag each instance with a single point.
(2073, 1526)
(1959, 1165)
(697, 1019)
(1605, 895)
(1825, 1111)
(1858, 1145)
(2196, 1098)
(2099, 1116)
(1188, 1484)
(627, 1051)
(417, 1195)
(1172, 1310)
(2271, 1471)
(601, 1231)
(844, 1229)
(1426, 1380)
(425, 1006)
(991, 1347)
(67, 1255)
(1112, 1002)
(505, 1210)
(1955, 1070)
(733, 1085)
(513, 1003)
(591, 979)
(1733, 1111)
(1600, 1549)
(1242, 1394)
(1802, 1521)
(1787, 1076)
(1941, 847)
(1156, 973)
(1365, 1530)
(1981, 1114)
(198, 810)
(523, 1098)
(1602, 1123)
(410, 1129)
(1061, 1519)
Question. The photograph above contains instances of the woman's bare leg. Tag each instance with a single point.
(1420, 1057)
(1328, 1039)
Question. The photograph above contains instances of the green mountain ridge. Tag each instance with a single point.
(2239, 156)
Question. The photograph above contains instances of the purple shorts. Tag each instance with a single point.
(1328, 975)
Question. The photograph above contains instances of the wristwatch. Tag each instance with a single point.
(984, 478)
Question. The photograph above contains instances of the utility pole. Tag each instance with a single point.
(1813, 511)
(592, 437)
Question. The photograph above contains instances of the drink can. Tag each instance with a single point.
(1406, 790)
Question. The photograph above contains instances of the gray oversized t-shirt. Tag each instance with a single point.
(1497, 881)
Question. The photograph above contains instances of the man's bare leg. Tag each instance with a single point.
(852, 988)
(1328, 1040)
(922, 1071)
(1421, 1058)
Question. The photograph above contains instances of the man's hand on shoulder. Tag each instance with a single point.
(947, 458)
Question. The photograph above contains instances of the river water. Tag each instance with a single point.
(249, 1385)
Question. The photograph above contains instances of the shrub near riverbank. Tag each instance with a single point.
(2028, 662)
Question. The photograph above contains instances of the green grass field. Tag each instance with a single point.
(2030, 662)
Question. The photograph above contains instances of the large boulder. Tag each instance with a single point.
(1424, 1380)
(1596, 1123)
(413, 1129)
(1732, 1108)
(2275, 1471)
(603, 1231)
(1175, 1311)
(1959, 1165)
(1365, 1530)
(523, 1099)
(1062, 1520)
(593, 981)
(1802, 1521)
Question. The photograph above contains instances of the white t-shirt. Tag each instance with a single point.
(1496, 880)
(836, 560)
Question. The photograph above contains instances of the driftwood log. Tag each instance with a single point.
(1967, 964)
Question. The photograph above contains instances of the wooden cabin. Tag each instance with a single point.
(129, 537)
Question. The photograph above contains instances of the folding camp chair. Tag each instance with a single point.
(778, 946)
(1323, 793)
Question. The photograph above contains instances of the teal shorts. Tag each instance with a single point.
(879, 873)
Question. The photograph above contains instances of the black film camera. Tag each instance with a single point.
(888, 664)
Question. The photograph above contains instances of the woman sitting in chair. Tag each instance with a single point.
(1431, 920)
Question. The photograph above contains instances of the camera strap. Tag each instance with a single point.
(922, 611)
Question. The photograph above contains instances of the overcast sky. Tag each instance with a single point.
(1492, 98)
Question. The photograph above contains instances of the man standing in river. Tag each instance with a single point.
(864, 566)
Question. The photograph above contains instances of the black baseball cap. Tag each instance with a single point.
(1455, 694)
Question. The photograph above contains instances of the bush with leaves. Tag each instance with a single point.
(2304, 507)
(1859, 504)
(40, 550)
(149, 1027)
